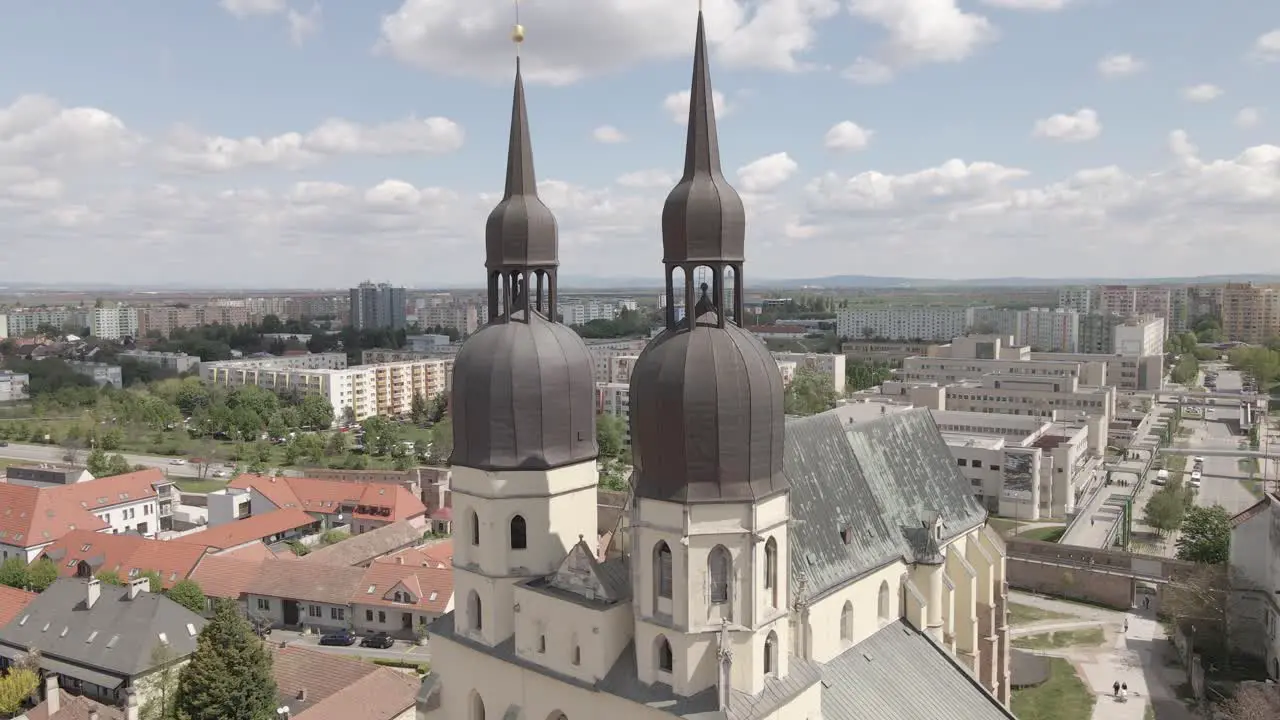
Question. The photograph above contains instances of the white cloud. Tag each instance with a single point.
(247, 8)
(1181, 146)
(647, 179)
(1119, 65)
(677, 105)
(1202, 93)
(466, 37)
(186, 149)
(767, 173)
(919, 31)
(36, 130)
(1037, 5)
(866, 71)
(1248, 117)
(1267, 47)
(846, 135)
(608, 135)
(1077, 127)
(303, 25)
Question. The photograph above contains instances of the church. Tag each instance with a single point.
(765, 568)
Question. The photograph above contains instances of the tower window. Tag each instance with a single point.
(474, 611)
(542, 643)
(771, 654)
(665, 659)
(577, 655)
(846, 623)
(882, 602)
(519, 539)
(662, 569)
(475, 528)
(719, 566)
(771, 570)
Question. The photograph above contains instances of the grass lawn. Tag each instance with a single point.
(193, 485)
(6, 462)
(1020, 614)
(1064, 696)
(1047, 534)
(1060, 639)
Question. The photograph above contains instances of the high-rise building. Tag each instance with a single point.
(377, 307)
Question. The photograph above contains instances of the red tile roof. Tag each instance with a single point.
(314, 582)
(225, 576)
(256, 552)
(339, 688)
(250, 529)
(435, 555)
(110, 491)
(123, 554)
(362, 500)
(73, 707)
(12, 601)
(431, 588)
(30, 516)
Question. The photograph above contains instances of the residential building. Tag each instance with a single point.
(1124, 372)
(831, 365)
(174, 361)
(1155, 300)
(376, 356)
(883, 352)
(1119, 299)
(85, 553)
(113, 323)
(604, 351)
(377, 307)
(615, 399)
(1140, 336)
(100, 373)
(12, 602)
(23, 322)
(901, 323)
(266, 528)
(426, 343)
(14, 386)
(713, 600)
(1079, 298)
(400, 599)
(290, 594)
(317, 685)
(1250, 313)
(163, 320)
(58, 704)
(1253, 602)
(1097, 333)
(362, 506)
(210, 372)
(1047, 330)
(360, 550)
(778, 332)
(46, 474)
(581, 313)
(4, 326)
(1004, 322)
(462, 317)
(100, 639)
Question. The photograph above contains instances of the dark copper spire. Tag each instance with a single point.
(521, 240)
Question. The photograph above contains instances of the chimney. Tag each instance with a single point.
(140, 585)
(399, 559)
(93, 590)
(52, 695)
(93, 714)
(302, 695)
(131, 709)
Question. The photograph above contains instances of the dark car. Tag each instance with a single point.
(341, 637)
(378, 640)
(4, 443)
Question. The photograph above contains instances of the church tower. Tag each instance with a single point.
(524, 423)
(709, 518)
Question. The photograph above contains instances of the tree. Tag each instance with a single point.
(315, 412)
(1165, 509)
(160, 688)
(1253, 701)
(13, 572)
(188, 594)
(154, 578)
(809, 393)
(441, 439)
(1196, 594)
(611, 435)
(108, 577)
(438, 408)
(419, 409)
(1206, 535)
(229, 675)
(97, 462)
(16, 688)
(41, 574)
(118, 465)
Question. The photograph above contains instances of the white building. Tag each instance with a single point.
(1253, 604)
(460, 317)
(1140, 338)
(604, 351)
(1048, 330)
(4, 326)
(831, 365)
(14, 386)
(904, 323)
(113, 323)
(100, 373)
(23, 322)
(176, 361)
(1079, 298)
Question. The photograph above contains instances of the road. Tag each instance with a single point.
(54, 453)
(402, 650)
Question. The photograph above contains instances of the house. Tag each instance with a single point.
(399, 598)
(365, 548)
(316, 685)
(289, 593)
(364, 506)
(84, 554)
(1253, 603)
(32, 518)
(225, 576)
(58, 704)
(437, 554)
(102, 640)
(12, 602)
(265, 528)
(46, 474)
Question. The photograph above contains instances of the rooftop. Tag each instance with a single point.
(322, 686)
(365, 547)
(427, 589)
(374, 501)
(314, 582)
(249, 529)
(12, 602)
(126, 555)
(226, 576)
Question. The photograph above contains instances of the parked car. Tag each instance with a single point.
(177, 461)
(1195, 479)
(341, 637)
(378, 640)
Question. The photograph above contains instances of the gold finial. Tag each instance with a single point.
(517, 32)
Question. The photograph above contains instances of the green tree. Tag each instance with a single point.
(109, 577)
(315, 412)
(1165, 509)
(98, 463)
(611, 435)
(160, 688)
(809, 393)
(13, 572)
(156, 580)
(41, 574)
(439, 407)
(1206, 535)
(441, 439)
(188, 594)
(336, 445)
(118, 465)
(419, 409)
(1186, 370)
(229, 675)
(16, 688)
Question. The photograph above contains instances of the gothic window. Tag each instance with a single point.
(665, 659)
(846, 623)
(542, 643)
(882, 604)
(474, 610)
(719, 568)
(771, 653)
(771, 570)
(662, 569)
(477, 707)
(474, 521)
(577, 655)
(519, 540)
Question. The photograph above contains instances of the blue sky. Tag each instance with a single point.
(969, 81)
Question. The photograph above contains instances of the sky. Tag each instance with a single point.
(294, 143)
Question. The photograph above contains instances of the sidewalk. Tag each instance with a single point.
(1137, 658)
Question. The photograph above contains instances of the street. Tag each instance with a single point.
(1222, 483)
(54, 453)
(402, 651)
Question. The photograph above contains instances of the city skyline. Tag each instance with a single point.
(190, 164)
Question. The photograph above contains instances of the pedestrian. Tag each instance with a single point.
(1146, 603)
(1115, 688)
(1126, 624)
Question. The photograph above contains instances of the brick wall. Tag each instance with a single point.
(1071, 582)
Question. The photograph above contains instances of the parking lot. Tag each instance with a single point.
(403, 650)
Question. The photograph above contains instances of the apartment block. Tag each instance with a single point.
(100, 373)
(1078, 298)
(24, 321)
(379, 306)
(581, 313)
(1140, 336)
(604, 351)
(1124, 372)
(827, 364)
(113, 323)
(461, 317)
(14, 386)
(1250, 313)
(904, 323)
(164, 319)
(4, 326)
(174, 361)
(383, 355)
(880, 352)
(1051, 330)
(615, 399)
(1005, 322)
(1119, 299)
(1097, 333)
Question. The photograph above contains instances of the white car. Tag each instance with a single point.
(177, 461)
(1198, 460)
(219, 473)
(1195, 479)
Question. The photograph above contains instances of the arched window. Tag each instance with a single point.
(577, 655)
(542, 643)
(474, 609)
(846, 623)
(477, 706)
(557, 715)
(771, 570)
(719, 569)
(474, 521)
(519, 540)
(665, 659)
(771, 653)
(882, 604)
(662, 570)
